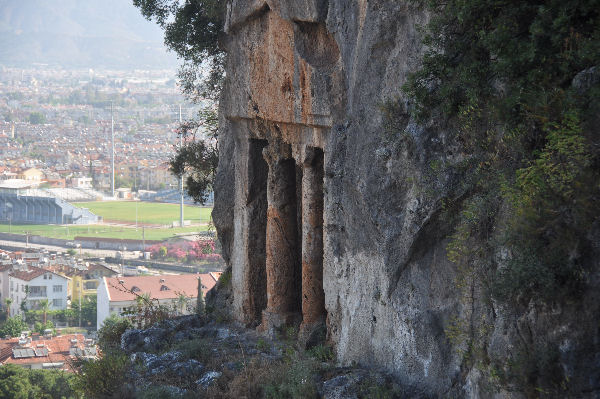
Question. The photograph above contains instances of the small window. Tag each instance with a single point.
(57, 288)
(49, 277)
(45, 277)
(135, 289)
(164, 288)
(57, 303)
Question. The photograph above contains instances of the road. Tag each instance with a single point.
(94, 253)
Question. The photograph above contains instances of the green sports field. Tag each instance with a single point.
(147, 212)
(124, 211)
(68, 233)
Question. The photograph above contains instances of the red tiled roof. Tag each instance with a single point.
(186, 284)
(216, 275)
(32, 273)
(29, 274)
(97, 266)
(58, 350)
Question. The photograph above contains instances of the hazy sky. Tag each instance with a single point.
(80, 33)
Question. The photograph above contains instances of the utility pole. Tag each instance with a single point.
(181, 177)
(112, 151)
(80, 289)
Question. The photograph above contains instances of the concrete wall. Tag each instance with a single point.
(102, 310)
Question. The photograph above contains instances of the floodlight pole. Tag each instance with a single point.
(112, 151)
(181, 177)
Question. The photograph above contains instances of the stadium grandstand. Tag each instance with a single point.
(172, 196)
(19, 208)
(19, 203)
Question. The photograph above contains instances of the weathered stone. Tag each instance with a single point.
(310, 74)
(208, 378)
(281, 243)
(313, 296)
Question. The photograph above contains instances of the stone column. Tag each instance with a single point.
(313, 296)
(281, 255)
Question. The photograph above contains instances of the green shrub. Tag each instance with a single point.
(159, 392)
(104, 377)
(199, 349)
(13, 327)
(41, 327)
(501, 79)
(19, 383)
(109, 335)
(294, 379)
(322, 353)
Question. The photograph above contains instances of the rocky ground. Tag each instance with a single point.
(195, 357)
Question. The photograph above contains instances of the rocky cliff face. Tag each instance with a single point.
(330, 212)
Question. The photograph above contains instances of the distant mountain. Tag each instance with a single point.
(80, 33)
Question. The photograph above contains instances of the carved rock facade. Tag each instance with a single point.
(325, 213)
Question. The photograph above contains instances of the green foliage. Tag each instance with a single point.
(104, 377)
(40, 327)
(162, 252)
(503, 79)
(19, 383)
(37, 118)
(322, 353)
(534, 369)
(374, 388)
(13, 327)
(71, 252)
(225, 278)
(192, 30)
(89, 305)
(198, 157)
(199, 349)
(159, 392)
(109, 335)
(294, 379)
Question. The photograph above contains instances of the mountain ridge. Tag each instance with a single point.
(70, 33)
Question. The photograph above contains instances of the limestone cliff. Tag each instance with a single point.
(328, 214)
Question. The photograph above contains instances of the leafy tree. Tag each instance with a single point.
(37, 118)
(14, 383)
(518, 86)
(88, 309)
(103, 377)
(41, 327)
(193, 29)
(51, 384)
(162, 252)
(18, 382)
(198, 158)
(44, 306)
(8, 302)
(109, 335)
(13, 327)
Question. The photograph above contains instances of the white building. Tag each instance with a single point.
(34, 285)
(117, 294)
(81, 182)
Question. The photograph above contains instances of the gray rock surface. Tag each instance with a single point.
(316, 73)
(208, 378)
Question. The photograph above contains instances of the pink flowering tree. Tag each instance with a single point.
(201, 250)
